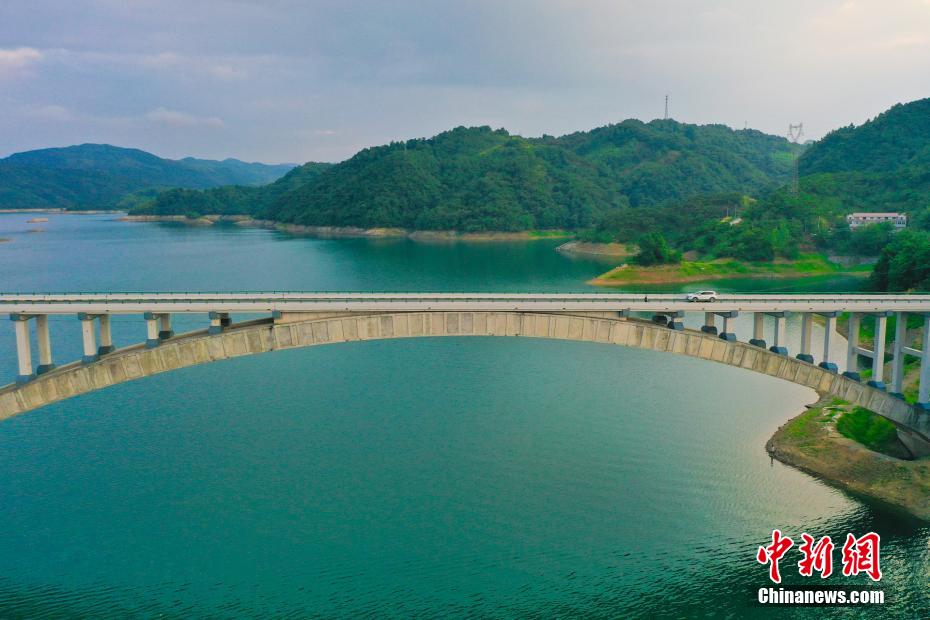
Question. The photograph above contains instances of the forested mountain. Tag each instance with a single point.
(230, 199)
(97, 176)
(881, 165)
(477, 178)
(666, 161)
(898, 137)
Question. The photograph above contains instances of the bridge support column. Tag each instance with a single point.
(23, 348)
(897, 352)
(710, 323)
(164, 326)
(829, 329)
(727, 333)
(45, 345)
(807, 325)
(778, 344)
(758, 329)
(923, 392)
(218, 322)
(89, 337)
(878, 352)
(852, 353)
(106, 336)
(151, 328)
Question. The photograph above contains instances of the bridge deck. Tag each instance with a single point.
(133, 303)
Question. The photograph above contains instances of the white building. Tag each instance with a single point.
(899, 220)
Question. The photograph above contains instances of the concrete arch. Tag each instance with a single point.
(302, 330)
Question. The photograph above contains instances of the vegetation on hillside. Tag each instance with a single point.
(100, 176)
(904, 264)
(228, 199)
(477, 179)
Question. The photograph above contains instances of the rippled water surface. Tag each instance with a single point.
(428, 477)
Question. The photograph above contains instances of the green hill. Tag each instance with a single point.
(898, 137)
(881, 165)
(92, 176)
(229, 199)
(475, 179)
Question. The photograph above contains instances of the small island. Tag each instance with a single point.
(855, 450)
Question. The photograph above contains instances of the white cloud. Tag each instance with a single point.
(174, 118)
(51, 112)
(14, 60)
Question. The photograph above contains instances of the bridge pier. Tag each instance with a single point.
(897, 353)
(164, 326)
(45, 345)
(89, 338)
(23, 348)
(151, 329)
(852, 349)
(710, 323)
(878, 352)
(727, 333)
(218, 322)
(923, 392)
(778, 344)
(106, 335)
(758, 330)
(829, 329)
(807, 324)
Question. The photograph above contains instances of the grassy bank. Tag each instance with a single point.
(828, 441)
(699, 271)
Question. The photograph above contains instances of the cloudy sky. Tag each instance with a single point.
(289, 80)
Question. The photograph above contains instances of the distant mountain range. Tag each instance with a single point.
(475, 179)
(100, 176)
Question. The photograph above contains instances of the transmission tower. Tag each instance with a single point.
(666, 107)
(794, 134)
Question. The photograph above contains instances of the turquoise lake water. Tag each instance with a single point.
(425, 477)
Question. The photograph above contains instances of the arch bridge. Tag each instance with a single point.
(275, 321)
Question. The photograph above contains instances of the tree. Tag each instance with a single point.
(654, 250)
(904, 264)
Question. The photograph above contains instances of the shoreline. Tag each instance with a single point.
(811, 267)
(796, 275)
(334, 232)
(612, 250)
(63, 211)
(810, 443)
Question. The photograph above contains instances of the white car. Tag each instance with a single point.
(710, 296)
